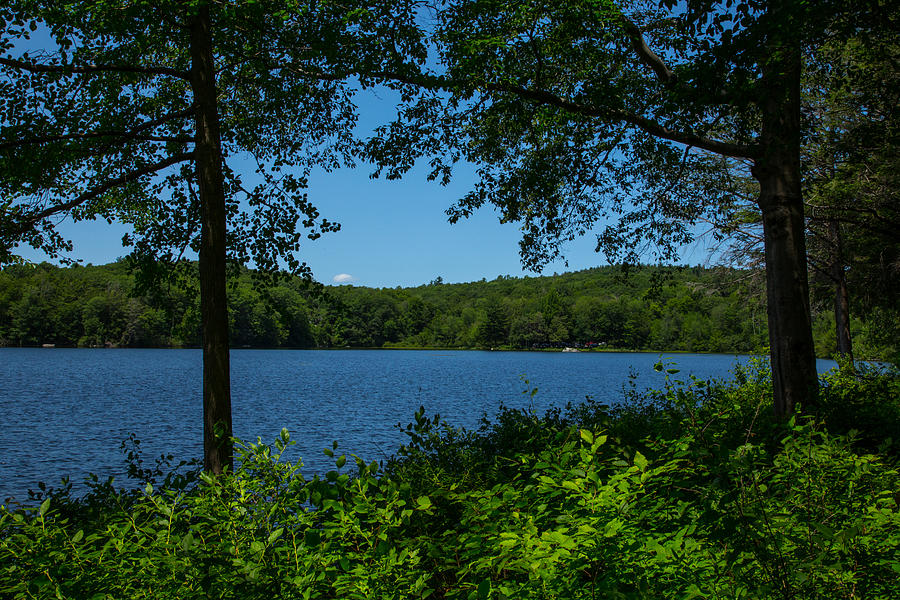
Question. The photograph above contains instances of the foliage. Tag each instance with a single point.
(852, 167)
(694, 491)
(849, 160)
(689, 309)
(100, 112)
(149, 113)
(589, 114)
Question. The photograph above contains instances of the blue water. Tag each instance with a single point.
(66, 411)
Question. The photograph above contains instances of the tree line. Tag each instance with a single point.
(643, 308)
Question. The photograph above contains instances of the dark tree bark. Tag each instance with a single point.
(217, 429)
(792, 352)
(841, 295)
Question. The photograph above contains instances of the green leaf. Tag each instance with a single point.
(311, 537)
(45, 506)
(424, 502)
(187, 542)
(484, 589)
(640, 461)
(693, 592)
(612, 527)
(275, 535)
(587, 436)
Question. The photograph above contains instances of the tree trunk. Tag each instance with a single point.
(793, 359)
(217, 432)
(841, 296)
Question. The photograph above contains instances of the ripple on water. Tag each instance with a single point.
(66, 411)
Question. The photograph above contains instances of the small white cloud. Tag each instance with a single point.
(343, 278)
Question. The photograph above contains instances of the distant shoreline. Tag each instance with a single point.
(433, 349)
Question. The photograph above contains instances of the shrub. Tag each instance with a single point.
(693, 491)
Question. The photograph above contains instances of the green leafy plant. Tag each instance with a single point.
(691, 491)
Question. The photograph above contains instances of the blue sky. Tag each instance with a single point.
(393, 233)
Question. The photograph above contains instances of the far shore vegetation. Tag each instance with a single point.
(641, 308)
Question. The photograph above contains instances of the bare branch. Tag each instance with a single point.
(72, 69)
(882, 225)
(824, 271)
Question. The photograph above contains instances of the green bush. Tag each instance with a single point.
(693, 491)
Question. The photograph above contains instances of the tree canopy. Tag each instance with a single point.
(849, 160)
(648, 308)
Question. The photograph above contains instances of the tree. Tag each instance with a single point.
(850, 163)
(139, 111)
(493, 328)
(579, 111)
(851, 169)
(528, 330)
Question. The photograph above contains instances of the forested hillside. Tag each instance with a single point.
(643, 308)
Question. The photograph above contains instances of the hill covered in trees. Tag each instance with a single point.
(640, 308)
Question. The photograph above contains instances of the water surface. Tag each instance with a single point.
(66, 411)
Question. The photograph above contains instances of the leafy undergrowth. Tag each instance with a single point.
(693, 491)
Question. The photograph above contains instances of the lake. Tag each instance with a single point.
(66, 411)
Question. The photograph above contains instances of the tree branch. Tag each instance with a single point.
(820, 270)
(71, 69)
(647, 125)
(99, 134)
(29, 221)
(889, 228)
(650, 59)
(647, 56)
(650, 126)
